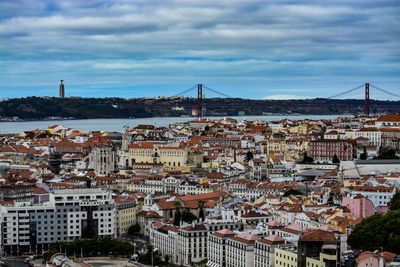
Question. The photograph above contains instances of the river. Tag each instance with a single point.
(116, 125)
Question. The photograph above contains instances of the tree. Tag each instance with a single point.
(386, 153)
(177, 217)
(364, 155)
(188, 216)
(292, 192)
(377, 232)
(394, 203)
(307, 159)
(335, 159)
(201, 211)
(134, 229)
(249, 155)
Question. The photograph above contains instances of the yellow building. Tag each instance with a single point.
(126, 214)
(173, 155)
(285, 257)
(299, 129)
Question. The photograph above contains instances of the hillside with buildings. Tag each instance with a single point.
(268, 193)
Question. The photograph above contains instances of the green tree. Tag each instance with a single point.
(134, 230)
(377, 232)
(335, 159)
(292, 192)
(177, 217)
(394, 203)
(188, 216)
(364, 155)
(307, 159)
(386, 153)
(249, 155)
(201, 211)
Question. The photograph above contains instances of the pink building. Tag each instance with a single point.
(360, 207)
(371, 259)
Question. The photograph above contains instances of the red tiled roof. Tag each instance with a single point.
(318, 235)
(272, 240)
(389, 117)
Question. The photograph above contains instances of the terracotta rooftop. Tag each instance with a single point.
(318, 235)
(272, 240)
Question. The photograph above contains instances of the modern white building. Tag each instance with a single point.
(67, 215)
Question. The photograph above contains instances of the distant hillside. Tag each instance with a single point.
(36, 108)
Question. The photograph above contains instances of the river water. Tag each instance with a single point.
(116, 125)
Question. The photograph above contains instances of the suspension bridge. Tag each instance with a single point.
(366, 92)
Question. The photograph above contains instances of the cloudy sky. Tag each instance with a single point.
(252, 49)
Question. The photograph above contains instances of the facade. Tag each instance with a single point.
(217, 247)
(151, 152)
(264, 250)
(126, 210)
(192, 244)
(359, 206)
(373, 135)
(325, 149)
(103, 159)
(379, 195)
(165, 239)
(285, 257)
(69, 214)
(240, 250)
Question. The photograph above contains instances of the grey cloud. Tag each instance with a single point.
(218, 39)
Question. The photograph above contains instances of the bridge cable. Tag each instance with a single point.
(217, 92)
(384, 91)
(185, 91)
(346, 92)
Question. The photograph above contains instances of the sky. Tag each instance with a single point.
(275, 49)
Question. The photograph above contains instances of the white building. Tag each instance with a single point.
(217, 247)
(379, 195)
(192, 244)
(240, 250)
(69, 214)
(264, 250)
(372, 134)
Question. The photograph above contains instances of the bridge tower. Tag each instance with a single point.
(199, 101)
(61, 93)
(367, 102)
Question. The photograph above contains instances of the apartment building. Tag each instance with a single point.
(126, 210)
(240, 250)
(69, 214)
(379, 195)
(373, 135)
(325, 149)
(217, 247)
(165, 239)
(264, 250)
(192, 244)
